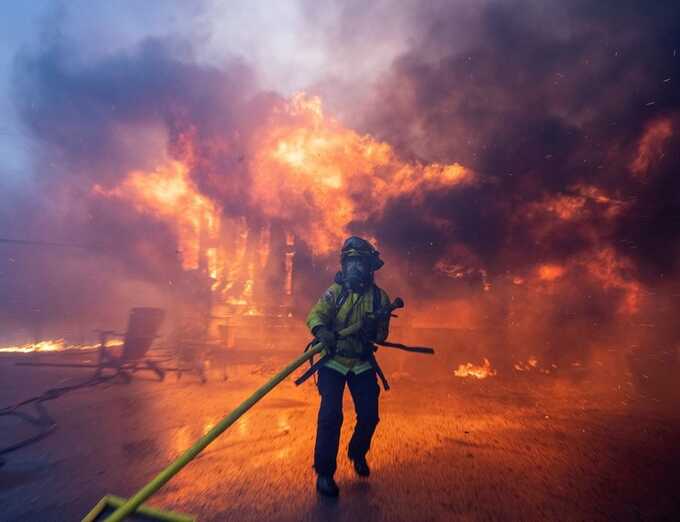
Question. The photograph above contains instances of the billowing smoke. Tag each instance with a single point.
(516, 164)
(569, 114)
(544, 100)
(96, 122)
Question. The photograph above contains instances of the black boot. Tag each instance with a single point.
(360, 466)
(326, 486)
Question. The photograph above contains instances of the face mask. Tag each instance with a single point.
(356, 273)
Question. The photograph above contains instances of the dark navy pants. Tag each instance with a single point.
(365, 392)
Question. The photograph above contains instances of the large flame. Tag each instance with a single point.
(317, 175)
(308, 172)
(170, 194)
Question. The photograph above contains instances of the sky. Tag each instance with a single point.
(292, 45)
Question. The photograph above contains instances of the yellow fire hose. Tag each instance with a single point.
(164, 476)
(125, 507)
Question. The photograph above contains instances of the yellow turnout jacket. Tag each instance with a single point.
(337, 310)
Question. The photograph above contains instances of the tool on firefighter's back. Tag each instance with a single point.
(385, 312)
(124, 507)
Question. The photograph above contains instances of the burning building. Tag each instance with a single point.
(513, 204)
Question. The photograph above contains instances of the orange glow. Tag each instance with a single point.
(607, 268)
(289, 258)
(453, 313)
(567, 207)
(460, 263)
(651, 146)
(550, 272)
(580, 203)
(616, 272)
(477, 372)
(170, 195)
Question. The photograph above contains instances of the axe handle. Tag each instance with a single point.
(415, 349)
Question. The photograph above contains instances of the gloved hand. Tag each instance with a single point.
(326, 337)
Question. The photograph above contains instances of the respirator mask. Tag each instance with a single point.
(356, 273)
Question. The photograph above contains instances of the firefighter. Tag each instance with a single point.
(351, 298)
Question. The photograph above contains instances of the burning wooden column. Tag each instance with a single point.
(289, 266)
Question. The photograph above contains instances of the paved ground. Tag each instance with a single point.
(521, 447)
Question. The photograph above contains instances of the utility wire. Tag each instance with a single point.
(39, 243)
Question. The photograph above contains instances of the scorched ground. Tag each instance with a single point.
(579, 444)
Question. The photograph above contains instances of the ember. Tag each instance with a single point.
(531, 363)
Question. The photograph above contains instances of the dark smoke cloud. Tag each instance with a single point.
(84, 110)
(538, 98)
(96, 121)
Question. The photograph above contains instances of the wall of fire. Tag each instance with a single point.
(236, 274)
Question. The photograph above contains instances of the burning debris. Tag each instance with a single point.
(475, 371)
(531, 364)
(54, 345)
